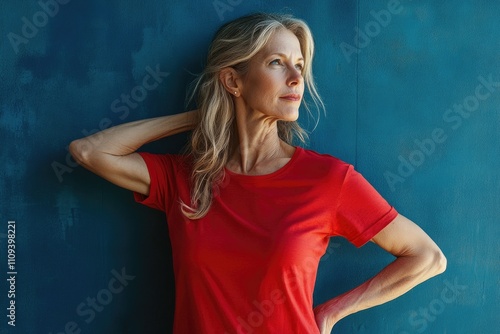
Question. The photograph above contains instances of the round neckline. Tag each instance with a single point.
(252, 178)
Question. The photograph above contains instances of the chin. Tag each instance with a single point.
(290, 116)
(290, 119)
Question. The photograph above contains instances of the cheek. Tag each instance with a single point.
(264, 87)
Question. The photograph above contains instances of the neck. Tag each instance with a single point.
(259, 149)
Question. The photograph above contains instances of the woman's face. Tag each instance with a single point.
(273, 85)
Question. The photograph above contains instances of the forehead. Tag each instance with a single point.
(283, 41)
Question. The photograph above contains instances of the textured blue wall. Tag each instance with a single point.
(412, 91)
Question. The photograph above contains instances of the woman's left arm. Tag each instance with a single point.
(418, 259)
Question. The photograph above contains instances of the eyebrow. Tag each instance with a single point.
(283, 55)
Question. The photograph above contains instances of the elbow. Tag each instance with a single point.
(429, 262)
(437, 262)
(442, 262)
(80, 151)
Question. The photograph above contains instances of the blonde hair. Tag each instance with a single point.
(215, 137)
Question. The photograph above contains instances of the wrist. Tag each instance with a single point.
(333, 310)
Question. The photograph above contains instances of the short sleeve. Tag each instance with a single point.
(361, 211)
(161, 169)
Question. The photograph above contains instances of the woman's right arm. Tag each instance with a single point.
(111, 153)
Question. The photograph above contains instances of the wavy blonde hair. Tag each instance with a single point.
(215, 137)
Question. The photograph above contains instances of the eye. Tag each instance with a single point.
(275, 62)
(300, 66)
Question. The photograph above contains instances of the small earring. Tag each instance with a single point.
(235, 93)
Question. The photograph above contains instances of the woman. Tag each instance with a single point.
(250, 214)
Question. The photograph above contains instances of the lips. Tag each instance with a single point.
(291, 97)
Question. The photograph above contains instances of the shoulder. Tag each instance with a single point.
(322, 162)
(175, 162)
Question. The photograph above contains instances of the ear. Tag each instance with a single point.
(231, 80)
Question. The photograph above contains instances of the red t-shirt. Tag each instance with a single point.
(249, 266)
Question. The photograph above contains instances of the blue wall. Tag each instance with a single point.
(408, 102)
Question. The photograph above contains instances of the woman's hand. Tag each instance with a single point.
(324, 318)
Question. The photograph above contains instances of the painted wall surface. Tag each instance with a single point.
(412, 90)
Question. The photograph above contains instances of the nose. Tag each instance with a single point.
(294, 77)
